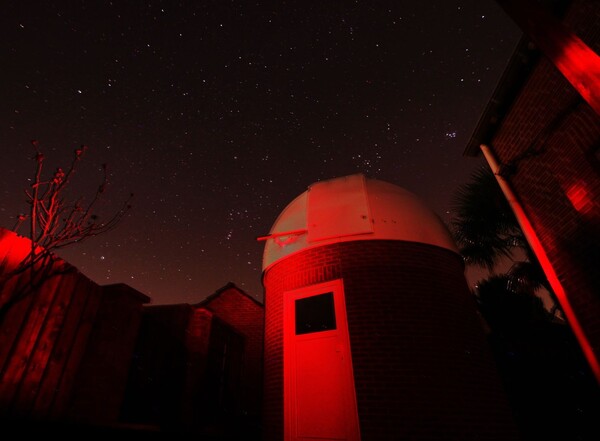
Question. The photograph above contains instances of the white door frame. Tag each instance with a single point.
(347, 402)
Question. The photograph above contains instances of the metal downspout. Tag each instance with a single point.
(540, 253)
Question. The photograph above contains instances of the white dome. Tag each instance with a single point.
(353, 208)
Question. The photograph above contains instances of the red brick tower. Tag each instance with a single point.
(370, 329)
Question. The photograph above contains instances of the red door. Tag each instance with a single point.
(319, 397)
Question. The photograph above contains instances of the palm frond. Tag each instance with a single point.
(484, 226)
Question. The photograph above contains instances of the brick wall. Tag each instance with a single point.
(246, 316)
(549, 136)
(422, 367)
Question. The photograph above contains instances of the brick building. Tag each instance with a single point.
(198, 368)
(542, 139)
(370, 329)
(75, 355)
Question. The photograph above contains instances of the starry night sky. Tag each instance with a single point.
(216, 114)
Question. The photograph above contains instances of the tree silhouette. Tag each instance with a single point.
(552, 392)
(484, 226)
(55, 221)
(487, 233)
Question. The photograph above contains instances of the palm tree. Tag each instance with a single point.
(487, 233)
(484, 226)
(543, 369)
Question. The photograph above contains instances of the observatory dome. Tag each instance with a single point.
(353, 208)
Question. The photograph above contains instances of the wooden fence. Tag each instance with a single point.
(66, 344)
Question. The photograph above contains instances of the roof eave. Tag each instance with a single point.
(517, 71)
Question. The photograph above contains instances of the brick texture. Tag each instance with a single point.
(422, 367)
(551, 137)
(246, 316)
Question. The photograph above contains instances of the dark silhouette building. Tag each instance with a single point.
(77, 356)
(198, 368)
(66, 344)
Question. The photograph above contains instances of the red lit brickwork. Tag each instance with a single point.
(550, 137)
(422, 367)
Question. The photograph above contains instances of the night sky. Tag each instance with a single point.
(217, 114)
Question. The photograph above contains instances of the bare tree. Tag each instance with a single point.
(55, 221)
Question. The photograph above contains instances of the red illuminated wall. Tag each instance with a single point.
(550, 137)
(422, 367)
(76, 351)
(65, 348)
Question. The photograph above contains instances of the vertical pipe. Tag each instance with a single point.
(541, 255)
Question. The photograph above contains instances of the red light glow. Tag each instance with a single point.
(13, 249)
(540, 252)
(319, 396)
(579, 64)
(580, 198)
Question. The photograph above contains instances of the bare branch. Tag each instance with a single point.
(55, 222)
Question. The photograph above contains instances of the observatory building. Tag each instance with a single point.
(370, 329)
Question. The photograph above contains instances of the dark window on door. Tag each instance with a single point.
(315, 314)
